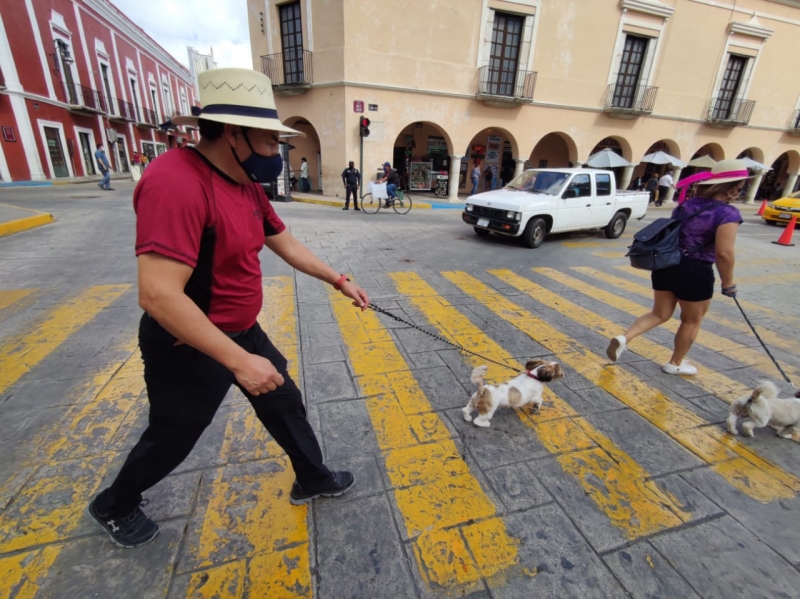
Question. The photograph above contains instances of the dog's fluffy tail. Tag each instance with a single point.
(766, 389)
(477, 376)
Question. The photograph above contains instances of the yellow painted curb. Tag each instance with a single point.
(23, 224)
(341, 204)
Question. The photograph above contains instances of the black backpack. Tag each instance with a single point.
(656, 246)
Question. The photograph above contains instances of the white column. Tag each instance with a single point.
(519, 166)
(627, 175)
(676, 175)
(455, 173)
(753, 188)
(578, 164)
(791, 180)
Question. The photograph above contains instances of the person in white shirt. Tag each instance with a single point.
(305, 185)
(664, 184)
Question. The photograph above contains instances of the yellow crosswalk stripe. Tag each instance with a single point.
(26, 350)
(767, 279)
(11, 296)
(752, 475)
(457, 537)
(274, 559)
(617, 484)
(718, 343)
(751, 308)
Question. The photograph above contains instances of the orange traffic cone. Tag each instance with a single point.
(761, 210)
(786, 236)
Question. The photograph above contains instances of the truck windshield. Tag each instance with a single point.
(547, 182)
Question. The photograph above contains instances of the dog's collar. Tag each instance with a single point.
(532, 374)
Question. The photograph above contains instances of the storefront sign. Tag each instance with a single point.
(358, 106)
(493, 145)
(9, 134)
(373, 107)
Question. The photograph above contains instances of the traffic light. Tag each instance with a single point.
(363, 124)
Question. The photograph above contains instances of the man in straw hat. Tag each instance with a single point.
(202, 218)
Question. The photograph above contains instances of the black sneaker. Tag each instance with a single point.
(131, 530)
(341, 483)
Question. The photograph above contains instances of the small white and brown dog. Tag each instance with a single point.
(762, 408)
(525, 389)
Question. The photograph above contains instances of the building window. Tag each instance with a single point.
(135, 98)
(730, 86)
(65, 62)
(56, 151)
(504, 56)
(88, 154)
(154, 98)
(292, 42)
(603, 184)
(630, 71)
(107, 87)
(168, 108)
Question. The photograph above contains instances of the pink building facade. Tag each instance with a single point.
(78, 73)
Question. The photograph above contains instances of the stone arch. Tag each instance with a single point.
(752, 152)
(491, 146)
(308, 147)
(617, 143)
(418, 141)
(710, 149)
(667, 145)
(558, 148)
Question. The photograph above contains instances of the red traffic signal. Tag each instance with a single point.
(363, 126)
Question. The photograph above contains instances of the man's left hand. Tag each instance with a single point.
(357, 294)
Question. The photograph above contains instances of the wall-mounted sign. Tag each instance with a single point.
(358, 106)
(9, 134)
(373, 107)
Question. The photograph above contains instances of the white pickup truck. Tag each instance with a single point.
(556, 200)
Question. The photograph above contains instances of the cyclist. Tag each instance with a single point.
(392, 180)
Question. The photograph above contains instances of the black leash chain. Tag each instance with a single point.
(440, 338)
(766, 349)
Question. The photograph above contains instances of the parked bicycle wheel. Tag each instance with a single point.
(402, 204)
(369, 204)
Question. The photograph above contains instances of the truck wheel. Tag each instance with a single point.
(617, 225)
(535, 232)
(481, 232)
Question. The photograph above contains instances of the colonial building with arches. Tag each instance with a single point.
(534, 83)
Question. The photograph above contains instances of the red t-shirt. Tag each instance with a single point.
(188, 210)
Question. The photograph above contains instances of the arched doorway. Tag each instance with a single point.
(307, 147)
(783, 178)
(554, 150)
(621, 147)
(493, 149)
(752, 153)
(421, 157)
(713, 150)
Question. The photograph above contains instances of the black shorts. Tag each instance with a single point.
(691, 280)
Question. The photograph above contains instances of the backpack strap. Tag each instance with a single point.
(701, 246)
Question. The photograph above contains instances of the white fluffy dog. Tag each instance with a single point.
(525, 389)
(762, 408)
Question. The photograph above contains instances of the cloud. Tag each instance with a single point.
(219, 24)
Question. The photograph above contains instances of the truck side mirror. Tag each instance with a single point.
(570, 192)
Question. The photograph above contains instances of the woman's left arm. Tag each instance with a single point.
(724, 241)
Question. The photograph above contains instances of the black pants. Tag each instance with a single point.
(662, 194)
(185, 387)
(351, 189)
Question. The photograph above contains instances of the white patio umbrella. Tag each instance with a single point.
(703, 162)
(607, 158)
(663, 158)
(754, 165)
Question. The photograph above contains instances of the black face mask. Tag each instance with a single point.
(260, 168)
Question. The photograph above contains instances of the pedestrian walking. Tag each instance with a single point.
(664, 185)
(475, 176)
(495, 176)
(201, 219)
(304, 183)
(707, 236)
(352, 180)
(652, 187)
(145, 160)
(105, 168)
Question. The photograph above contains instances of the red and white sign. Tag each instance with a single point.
(358, 106)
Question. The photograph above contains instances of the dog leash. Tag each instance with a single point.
(766, 349)
(440, 338)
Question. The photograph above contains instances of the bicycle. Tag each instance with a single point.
(401, 203)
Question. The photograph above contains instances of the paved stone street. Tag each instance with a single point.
(625, 484)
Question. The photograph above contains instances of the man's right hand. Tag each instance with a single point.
(257, 375)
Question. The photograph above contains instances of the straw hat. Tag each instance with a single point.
(735, 167)
(238, 97)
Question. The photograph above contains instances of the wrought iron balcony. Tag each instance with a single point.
(629, 101)
(729, 112)
(291, 72)
(127, 111)
(794, 125)
(497, 87)
(147, 118)
(84, 99)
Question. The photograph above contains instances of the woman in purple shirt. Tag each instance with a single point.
(707, 237)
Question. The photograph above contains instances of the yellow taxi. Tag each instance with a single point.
(781, 211)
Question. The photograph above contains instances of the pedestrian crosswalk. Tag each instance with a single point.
(244, 538)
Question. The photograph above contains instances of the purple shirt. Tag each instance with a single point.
(701, 230)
